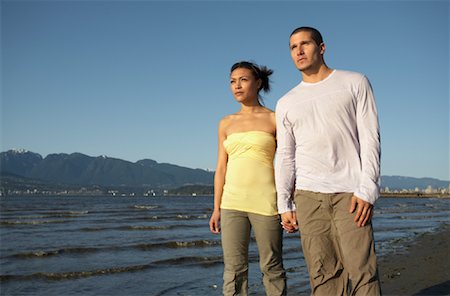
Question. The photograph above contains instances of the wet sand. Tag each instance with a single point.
(422, 269)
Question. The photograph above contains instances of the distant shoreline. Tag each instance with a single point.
(383, 195)
(416, 195)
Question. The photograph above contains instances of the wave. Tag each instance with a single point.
(126, 228)
(67, 213)
(70, 214)
(136, 228)
(51, 214)
(183, 217)
(43, 254)
(180, 244)
(31, 222)
(194, 260)
(189, 217)
(171, 217)
(160, 227)
(91, 229)
(145, 207)
(57, 276)
(205, 261)
(33, 217)
(85, 250)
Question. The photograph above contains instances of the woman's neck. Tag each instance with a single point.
(251, 108)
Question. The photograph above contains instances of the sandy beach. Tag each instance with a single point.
(422, 269)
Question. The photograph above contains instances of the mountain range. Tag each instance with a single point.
(81, 169)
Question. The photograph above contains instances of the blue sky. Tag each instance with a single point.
(149, 79)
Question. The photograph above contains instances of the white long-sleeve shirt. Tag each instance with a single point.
(328, 139)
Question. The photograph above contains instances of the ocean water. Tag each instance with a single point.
(155, 245)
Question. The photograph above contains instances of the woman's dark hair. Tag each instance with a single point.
(315, 34)
(260, 72)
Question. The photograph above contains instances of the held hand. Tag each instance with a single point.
(214, 222)
(364, 211)
(289, 221)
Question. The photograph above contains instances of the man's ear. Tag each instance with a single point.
(322, 48)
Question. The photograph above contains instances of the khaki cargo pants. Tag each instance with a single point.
(236, 227)
(340, 255)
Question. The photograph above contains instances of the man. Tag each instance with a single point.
(329, 153)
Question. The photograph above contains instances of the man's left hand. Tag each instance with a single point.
(364, 211)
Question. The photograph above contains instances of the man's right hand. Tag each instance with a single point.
(289, 222)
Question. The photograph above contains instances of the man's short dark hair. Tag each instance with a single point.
(315, 34)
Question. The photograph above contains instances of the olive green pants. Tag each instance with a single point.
(236, 228)
(340, 255)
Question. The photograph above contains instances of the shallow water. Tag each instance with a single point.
(154, 245)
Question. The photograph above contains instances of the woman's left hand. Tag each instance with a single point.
(214, 222)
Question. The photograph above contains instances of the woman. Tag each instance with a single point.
(244, 185)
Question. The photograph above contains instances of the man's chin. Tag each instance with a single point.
(302, 68)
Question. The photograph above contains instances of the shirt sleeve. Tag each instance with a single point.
(284, 162)
(369, 140)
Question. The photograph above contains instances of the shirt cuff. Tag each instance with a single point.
(370, 198)
(286, 205)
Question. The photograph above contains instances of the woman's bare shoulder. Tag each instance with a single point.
(226, 121)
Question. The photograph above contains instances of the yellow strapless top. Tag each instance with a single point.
(249, 181)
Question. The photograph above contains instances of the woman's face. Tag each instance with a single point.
(244, 85)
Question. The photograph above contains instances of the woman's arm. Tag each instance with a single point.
(219, 179)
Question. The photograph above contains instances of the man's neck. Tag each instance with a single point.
(316, 75)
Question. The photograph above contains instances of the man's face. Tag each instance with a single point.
(305, 53)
